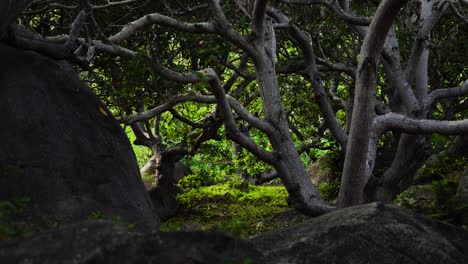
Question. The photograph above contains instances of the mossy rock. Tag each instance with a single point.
(420, 198)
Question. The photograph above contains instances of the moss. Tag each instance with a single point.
(329, 189)
(148, 180)
(238, 208)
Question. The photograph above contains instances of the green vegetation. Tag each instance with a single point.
(236, 207)
(437, 198)
(138, 80)
(329, 189)
(239, 208)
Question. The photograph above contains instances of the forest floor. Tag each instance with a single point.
(242, 209)
(237, 208)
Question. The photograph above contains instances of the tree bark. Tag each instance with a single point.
(410, 156)
(412, 150)
(353, 179)
(288, 164)
(164, 195)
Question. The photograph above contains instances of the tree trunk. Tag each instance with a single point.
(410, 156)
(167, 171)
(289, 166)
(355, 167)
(164, 195)
(412, 149)
(150, 167)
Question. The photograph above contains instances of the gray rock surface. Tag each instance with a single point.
(61, 148)
(106, 242)
(371, 233)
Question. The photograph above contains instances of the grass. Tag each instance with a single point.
(238, 208)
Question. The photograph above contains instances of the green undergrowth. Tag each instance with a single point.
(437, 200)
(238, 208)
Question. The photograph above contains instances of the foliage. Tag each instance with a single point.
(446, 206)
(444, 189)
(195, 181)
(96, 215)
(333, 159)
(419, 198)
(130, 85)
(329, 189)
(437, 200)
(443, 167)
(236, 207)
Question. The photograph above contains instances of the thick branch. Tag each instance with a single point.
(171, 102)
(225, 29)
(232, 131)
(355, 171)
(204, 99)
(77, 26)
(401, 123)
(342, 14)
(313, 76)
(445, 93)
(258, 15)
(421, 42)
(265, 176)
(170, 74)
(114, 4)
(133, 27)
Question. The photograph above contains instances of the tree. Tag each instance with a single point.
(259, 49)
(413, 107)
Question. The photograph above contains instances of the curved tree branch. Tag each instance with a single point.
(342, 14)
(133, 27)
(232, 131)
(225, 29)
(444, 93)
(401, 123)
(313, 76)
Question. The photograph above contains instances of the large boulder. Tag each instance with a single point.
(372, 233)
(106, 242)
(61, 148)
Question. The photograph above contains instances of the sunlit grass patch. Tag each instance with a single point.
(239, 208)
